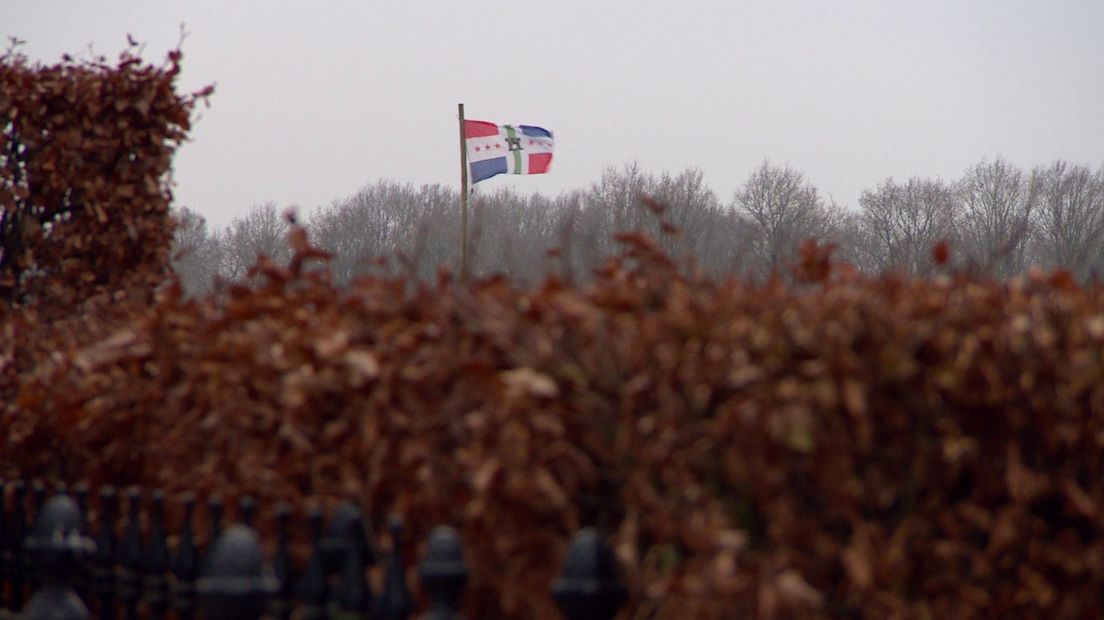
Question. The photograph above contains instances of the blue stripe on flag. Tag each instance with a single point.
(537, 132)
(487, 168)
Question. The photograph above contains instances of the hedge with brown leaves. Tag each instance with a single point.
(864, 447)
(85, 152)
(84, 157)
(848, 446)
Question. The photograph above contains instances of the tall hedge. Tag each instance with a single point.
(85, 154)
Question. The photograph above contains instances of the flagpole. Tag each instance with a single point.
(463, 201)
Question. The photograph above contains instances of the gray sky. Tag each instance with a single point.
(315, 100)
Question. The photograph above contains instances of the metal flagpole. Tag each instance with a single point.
(463, 201)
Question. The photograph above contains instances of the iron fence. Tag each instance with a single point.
(53, 566)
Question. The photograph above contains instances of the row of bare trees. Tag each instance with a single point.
(998, 219)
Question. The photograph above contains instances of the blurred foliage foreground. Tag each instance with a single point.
(841, 445)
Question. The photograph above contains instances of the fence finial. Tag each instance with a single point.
(57, 548)
(588, 587)
(443, 573)
(236, 584)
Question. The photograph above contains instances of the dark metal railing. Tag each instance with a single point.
(53, 566)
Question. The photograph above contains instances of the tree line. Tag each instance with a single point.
(998, 219)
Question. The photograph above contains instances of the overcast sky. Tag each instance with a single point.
(315, 100)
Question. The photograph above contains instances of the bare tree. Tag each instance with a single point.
(611, 206)
(391, 228)
(691, 207)
(716, 236)
(904, 223)
(261, 231)
(512, 234)
(431, 240)
(363, 227)
(994, 225)
(855, 241)
(417, 229)
(1069, 216)
(990, 214)
(195, 254)
(573, 242)
(783, 209)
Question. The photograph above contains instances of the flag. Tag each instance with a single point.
(506, 149)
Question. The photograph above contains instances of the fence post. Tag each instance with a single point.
(130, 555)
(236, 584)
(82, 582)
(214, 513)
(588, 587)
(38, 496)
(282, 566)
(156, 558)
(17, 564)
(5, 547)
(395, 601)
(347, 551)
(312, 586)
(247, 510)
(443, 573)
(57, 547)
(5, 544)
(103, 573)
(184, 564)
(38, 500)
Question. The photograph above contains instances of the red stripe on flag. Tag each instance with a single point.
(539, 163)
(479, 129)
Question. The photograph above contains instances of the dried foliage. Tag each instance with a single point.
(85, 152)
(848, 446)
(84, 160)
(868, 447)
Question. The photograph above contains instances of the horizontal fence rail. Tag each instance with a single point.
(53, 565)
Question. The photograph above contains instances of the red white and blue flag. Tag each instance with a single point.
(506, 149)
